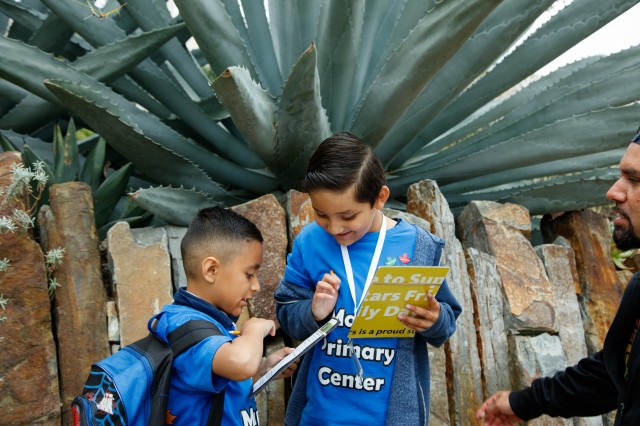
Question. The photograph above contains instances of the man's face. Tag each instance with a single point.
(626, 194)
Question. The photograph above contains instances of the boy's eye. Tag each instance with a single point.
(349, 217)
(250, 275)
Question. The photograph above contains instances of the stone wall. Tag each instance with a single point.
(521, 304)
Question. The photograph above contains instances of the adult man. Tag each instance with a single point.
(608, 379)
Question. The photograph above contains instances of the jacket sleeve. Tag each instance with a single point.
(445, 326)
(585, 389)
(293, 310)
(428, 251)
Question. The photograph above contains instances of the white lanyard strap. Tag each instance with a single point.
(372, 267)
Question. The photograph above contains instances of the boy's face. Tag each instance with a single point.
(347, 219)
(236, 279)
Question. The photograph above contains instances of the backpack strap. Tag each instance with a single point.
(186, 336)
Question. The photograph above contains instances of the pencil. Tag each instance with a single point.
(236, 332)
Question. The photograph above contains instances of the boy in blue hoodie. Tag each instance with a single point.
(332, 262)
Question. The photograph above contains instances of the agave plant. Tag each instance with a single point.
(85, 161)
(442, 90)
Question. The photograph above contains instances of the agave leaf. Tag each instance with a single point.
(133, 221)
(28, 67)
(41, 148)
(65, 153)
(25, 16)
(556, 193)
(252, 109)
(173, 205)
(108, 194)
(154, 160)
(105, 63)
(414, 63)
(587, 133)
(113, 60)
(10, 94)
(530, 94)
(52, 36)
(93, 166)
(152, 79)
(6, 144)
(223, 47)
(493, 37)
(293, 28)
(262, 45)
(152, 14)
(588, 100)
(381, 19)
(557, 167)
(302, 122)
(338, 44)
(563, 30)
(87, 102)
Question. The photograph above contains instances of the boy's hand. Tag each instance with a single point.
(496, 411)
(325, 297)
(264, 326)
(425, 318)
(269, 362)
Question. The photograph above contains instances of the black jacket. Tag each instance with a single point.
(596, 385)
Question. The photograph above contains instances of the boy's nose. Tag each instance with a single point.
(335, 228)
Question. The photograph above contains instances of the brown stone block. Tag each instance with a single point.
(28, 365)
(300, 212)
(141, 270)
(501, 231)
(269, 216)
(80, 303)
(601, 290)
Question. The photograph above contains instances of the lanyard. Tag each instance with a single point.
(372, 267)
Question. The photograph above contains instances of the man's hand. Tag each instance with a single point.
(496, 411)
(325, 297)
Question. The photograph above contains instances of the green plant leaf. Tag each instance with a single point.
(302, 121)
(493, 37)
(222, 48)
(6, 144)
(173, 205)
(129, 122)
(109, 193)
(562, 31)
(155, 161)
(252, 108)
(94, 164)
(414, 63)
(65, 153)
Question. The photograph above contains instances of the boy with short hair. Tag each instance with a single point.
(348, 240)
(222, 252)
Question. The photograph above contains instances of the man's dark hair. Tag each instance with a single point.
(215, 231)
(341, 161)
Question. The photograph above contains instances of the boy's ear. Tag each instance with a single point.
(383, 196)
(209, 269)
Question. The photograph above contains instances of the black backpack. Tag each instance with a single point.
(131, 387)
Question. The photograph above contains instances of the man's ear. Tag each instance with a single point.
(383, 196)
(210, 267)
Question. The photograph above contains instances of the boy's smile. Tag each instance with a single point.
(345, 218)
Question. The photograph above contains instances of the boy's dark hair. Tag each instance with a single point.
(344, 160)
(215, 231)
